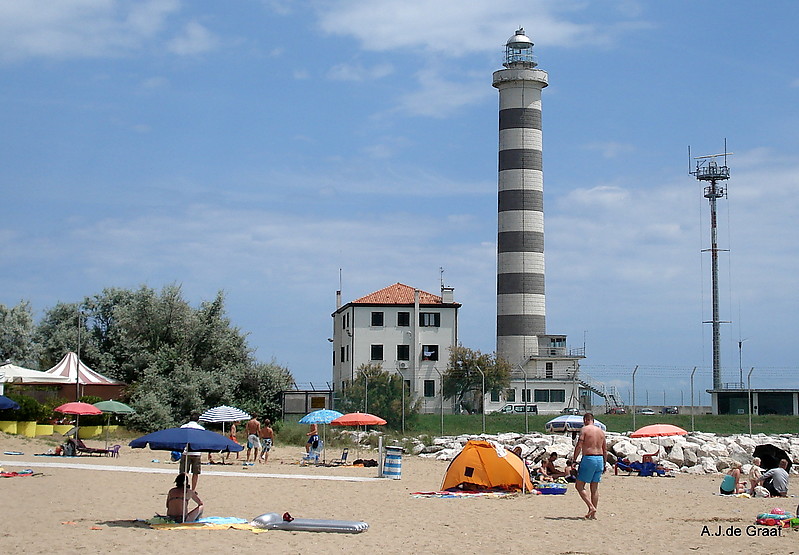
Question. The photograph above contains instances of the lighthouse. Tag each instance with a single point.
(521, 306)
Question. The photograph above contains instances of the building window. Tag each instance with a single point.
(403, 319)
(510, 395)
(377, 319)
(377, 352)
(348, 352)
(550, 372)
(403, 352)
(430, 319)
(494, 395)
(342, 354)
(429, 388)
(526, 397)
(550, 395)
(429, 352)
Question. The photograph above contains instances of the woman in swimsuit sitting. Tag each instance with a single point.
(177, 502)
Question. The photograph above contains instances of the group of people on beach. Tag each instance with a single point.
(774, 481)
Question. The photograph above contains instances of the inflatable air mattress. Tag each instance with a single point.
(274, 521)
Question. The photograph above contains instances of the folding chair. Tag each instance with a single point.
(343, 459)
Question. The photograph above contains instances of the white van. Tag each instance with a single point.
(533, 409)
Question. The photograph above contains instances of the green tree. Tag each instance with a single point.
(463, 378)
(176, 359)
(17, 334)
(379, 392)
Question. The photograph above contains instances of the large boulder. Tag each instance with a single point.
(676, 456)
(689, 457)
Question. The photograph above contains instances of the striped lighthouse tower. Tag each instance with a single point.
(521, 307)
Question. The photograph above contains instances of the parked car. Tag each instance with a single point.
(646, 411)
(616, 410)
(570, 410)
(670, 410)
(532, 409)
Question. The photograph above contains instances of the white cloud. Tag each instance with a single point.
(357, 72)
(194, 39)
(610, 149)
(439, 97)
(454, 28)
(79, 28)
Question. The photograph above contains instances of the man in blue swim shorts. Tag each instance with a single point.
(594, 449)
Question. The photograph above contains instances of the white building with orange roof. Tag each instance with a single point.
(403, 329)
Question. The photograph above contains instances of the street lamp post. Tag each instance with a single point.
(634, 371)
(402, 389)
(525, 399)
(693, 410)
(365, 392)
(749, 387)
(441, 390)
(483, 398)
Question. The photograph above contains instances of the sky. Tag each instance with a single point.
(279, 149)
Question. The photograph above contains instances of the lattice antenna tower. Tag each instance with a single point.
(708, 170)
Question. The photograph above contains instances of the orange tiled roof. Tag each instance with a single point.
(397, 294)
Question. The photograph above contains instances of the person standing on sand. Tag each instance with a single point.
(253, 429)
(594, 449)
(191, 462)
(267, 439)
(231, 435)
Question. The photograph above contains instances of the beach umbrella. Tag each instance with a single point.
(224, 414)
(77, 408)
(659, 430)
(186, 439)
(358, 419)
(568, 423)
(109, 408)
(321, 416)
(6, 403)
(770, 456)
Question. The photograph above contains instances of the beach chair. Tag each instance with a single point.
(81, 448)
(312, 456)
(343, 459)
(113, 451)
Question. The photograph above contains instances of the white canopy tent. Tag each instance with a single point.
(11, 373)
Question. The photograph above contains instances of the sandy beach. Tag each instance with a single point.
(91, 504)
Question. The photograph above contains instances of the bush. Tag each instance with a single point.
(29, 410)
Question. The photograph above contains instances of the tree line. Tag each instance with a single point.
(175, 358)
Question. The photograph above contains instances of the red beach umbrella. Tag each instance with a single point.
(358, 419)
(659, 430)
(78, 408)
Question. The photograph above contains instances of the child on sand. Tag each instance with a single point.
(754, 475)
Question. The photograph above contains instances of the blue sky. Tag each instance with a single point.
(260, 146)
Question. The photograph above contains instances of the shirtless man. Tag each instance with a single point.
(267, 439)
(594, 449)
(253, 428)
(177, 502)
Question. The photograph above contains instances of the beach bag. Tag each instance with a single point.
(760, 491)
(69, 450)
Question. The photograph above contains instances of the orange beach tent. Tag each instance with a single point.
(483, 465)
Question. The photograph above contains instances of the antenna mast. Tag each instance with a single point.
(708, 170)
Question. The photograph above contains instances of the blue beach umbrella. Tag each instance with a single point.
(186, 439)
(6, 403)
(568, 423)
(321, 416)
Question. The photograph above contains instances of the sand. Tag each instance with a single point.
(93, 508)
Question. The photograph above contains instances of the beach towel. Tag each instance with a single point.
(160, 522)
(27, 472)
(463, 494)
